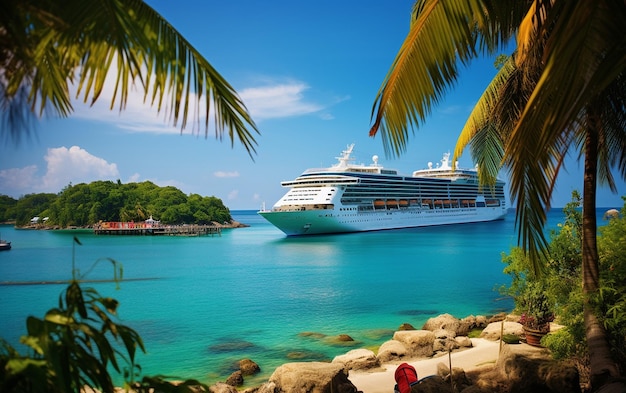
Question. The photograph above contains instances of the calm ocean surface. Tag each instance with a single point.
(207, 302)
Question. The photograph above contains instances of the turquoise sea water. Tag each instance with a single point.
(207, 302)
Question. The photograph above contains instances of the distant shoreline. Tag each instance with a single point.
(233, 224)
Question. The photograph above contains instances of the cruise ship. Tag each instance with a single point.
(349, 197)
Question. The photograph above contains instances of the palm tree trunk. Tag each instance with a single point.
(602, 366)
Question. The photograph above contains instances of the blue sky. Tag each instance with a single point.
(307, 71)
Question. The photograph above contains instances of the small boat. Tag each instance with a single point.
(5, 245)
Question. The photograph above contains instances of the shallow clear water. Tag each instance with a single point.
(207, 302)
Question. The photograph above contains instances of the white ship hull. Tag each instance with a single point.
(355, 198)
(315, 222)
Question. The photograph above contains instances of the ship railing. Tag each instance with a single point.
(296, 208)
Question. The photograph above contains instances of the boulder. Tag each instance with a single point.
(464, 341)
(341, 340)
(316, 377)
(419, 343)
(497, 318)
(445, 345)
(481, 321)
(392, 350)
(495, 329)
(460, 381)
(487, 379)
(561, 377)
(531, 369)
(248, 367)
(470, 323)
(442, 369)
(444, 333)
(267, 387)
(235, 379)
(444, 321)
(222, 387)
(358, 359)
(432, 384)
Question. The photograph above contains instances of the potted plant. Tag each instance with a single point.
(538, 313)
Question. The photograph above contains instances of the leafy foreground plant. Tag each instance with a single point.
(560, 291)
(75, 345)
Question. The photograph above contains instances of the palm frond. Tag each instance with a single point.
(612, 144)
(130, 43)
(483, 131)
(421, 72)
(443, 35)
(584, 55)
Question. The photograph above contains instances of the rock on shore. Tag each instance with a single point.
(527, 368)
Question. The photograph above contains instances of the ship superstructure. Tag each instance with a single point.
(349, 197)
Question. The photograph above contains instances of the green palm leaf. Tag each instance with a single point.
(126, 42)
(443, 34)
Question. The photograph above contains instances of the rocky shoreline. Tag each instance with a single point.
(515, 367)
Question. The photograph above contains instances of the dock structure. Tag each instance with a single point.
(143, 229)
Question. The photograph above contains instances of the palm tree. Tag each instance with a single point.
(562, 91)
(48, 45)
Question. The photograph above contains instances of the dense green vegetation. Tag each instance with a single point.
(86, 204)
(560, 287)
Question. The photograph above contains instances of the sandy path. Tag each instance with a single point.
(483, 352)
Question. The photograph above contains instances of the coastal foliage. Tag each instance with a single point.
(86, 204)
(77, 344)
(558, 292)
(7, 205)
(51, 51)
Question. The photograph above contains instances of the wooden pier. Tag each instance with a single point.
(142, 229)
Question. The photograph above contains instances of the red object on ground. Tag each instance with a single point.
(406, 376)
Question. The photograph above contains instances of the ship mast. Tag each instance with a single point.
(345, 157)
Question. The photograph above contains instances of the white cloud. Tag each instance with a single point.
(137, 116)
(275, 99)
(278, 100)
(19, 179)
(134, 178)
(233, 194)
(63, 166)
(75, 165)
(226, 174)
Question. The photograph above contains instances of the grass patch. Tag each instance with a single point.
(511, 339)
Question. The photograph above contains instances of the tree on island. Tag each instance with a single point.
(87, 204)
(48, 45)
(561, 91)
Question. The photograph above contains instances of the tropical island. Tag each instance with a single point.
(85, 205)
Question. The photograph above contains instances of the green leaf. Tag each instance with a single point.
(54, 316)
(19, 365)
